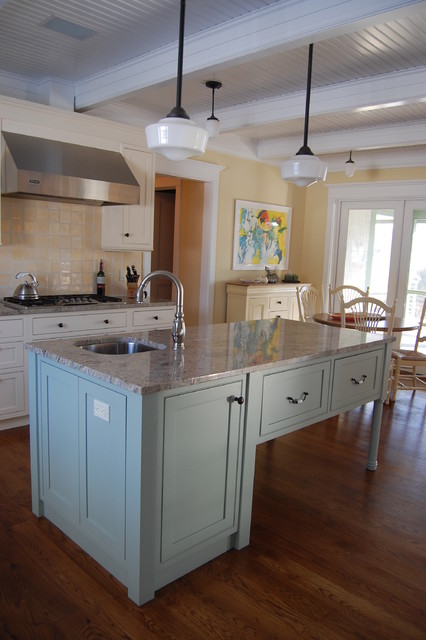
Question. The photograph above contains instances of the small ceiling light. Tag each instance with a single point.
(177, 137)
(213, 123)
(304, 168)
(350, 166)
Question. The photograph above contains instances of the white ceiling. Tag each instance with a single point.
(368, 80)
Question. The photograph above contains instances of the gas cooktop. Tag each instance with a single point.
(59, 301)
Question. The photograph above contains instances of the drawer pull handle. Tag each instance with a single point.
(238, 399)
(363, 379)
(298, 400)
(155, 317)
(60, 325)
(106, 321)
(127, 235)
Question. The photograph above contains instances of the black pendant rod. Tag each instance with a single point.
(178, 111)
(305, 150)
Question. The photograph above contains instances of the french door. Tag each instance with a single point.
(382, 245)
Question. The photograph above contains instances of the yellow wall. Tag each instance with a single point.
(250, 180)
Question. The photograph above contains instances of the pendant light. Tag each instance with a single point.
(304, 168)
(213, 123)
(350, 166)
(177, 137)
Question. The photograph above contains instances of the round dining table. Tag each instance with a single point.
(335, 320)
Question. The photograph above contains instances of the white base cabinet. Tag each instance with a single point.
(261, 301)
(13, 398)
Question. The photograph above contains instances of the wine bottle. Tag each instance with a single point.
(100, 280)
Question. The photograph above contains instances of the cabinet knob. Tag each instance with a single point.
(279, 302)
(127, 235)
(155, 317)
(106, 321)
(60, 325)
(239, 399)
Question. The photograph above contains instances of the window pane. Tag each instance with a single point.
(368, 250)
(416, 290)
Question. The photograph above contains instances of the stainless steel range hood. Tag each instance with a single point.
(51, 170)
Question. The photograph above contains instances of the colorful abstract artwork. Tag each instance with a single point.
(261, 235)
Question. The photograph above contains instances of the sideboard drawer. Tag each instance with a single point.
(356, 380)
(294, 396)
(278, 303)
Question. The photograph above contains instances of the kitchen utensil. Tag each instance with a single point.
(26, 290)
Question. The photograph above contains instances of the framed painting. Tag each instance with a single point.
(261, 235)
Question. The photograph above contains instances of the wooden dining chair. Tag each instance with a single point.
(367, 314)
(308, 301)
(344, 293)
(406, 363)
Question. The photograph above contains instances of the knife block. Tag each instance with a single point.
(132, 287)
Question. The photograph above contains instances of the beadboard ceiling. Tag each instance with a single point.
(368, 79)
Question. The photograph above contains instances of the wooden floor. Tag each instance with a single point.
(337, 552)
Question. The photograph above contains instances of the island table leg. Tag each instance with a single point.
(376, 423)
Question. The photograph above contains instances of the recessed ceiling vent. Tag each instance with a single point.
(51, 170)
(68, 28)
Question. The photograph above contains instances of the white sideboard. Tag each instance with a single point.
(261, 301)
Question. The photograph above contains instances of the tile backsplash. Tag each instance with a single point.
(60, 244)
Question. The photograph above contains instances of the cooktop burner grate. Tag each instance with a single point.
(60, 300)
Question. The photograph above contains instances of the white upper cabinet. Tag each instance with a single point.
(131, 227)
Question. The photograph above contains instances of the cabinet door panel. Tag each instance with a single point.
(59, 419)
(12, 398)
(201, 463)
(103, 466)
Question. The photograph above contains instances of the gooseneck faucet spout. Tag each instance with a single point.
(178, 330)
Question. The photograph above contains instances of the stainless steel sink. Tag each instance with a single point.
(122, 347)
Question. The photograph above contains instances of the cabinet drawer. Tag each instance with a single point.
(279, 303)
(11, 355)
(158, 318)
(294, 396)
(60, 323)
(11, 328)
(12, 396)
(356, 380)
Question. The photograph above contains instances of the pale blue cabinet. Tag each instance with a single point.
(84, 457)
(202, 434)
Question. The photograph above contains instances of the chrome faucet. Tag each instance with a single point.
(178, 329)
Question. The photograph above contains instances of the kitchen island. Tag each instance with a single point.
(147, 460)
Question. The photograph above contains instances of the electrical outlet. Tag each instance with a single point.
(101, 410)
(123, 275)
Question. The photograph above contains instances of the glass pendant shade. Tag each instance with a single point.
(213, 127)
(350, 166)
(303, 170)
(176, 138)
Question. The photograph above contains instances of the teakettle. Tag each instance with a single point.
(26, 290)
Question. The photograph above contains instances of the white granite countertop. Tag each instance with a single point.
(211, 352)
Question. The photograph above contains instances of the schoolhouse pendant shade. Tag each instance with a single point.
(350, 166)
(304, 169)
(176, 136)
(213, 123)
